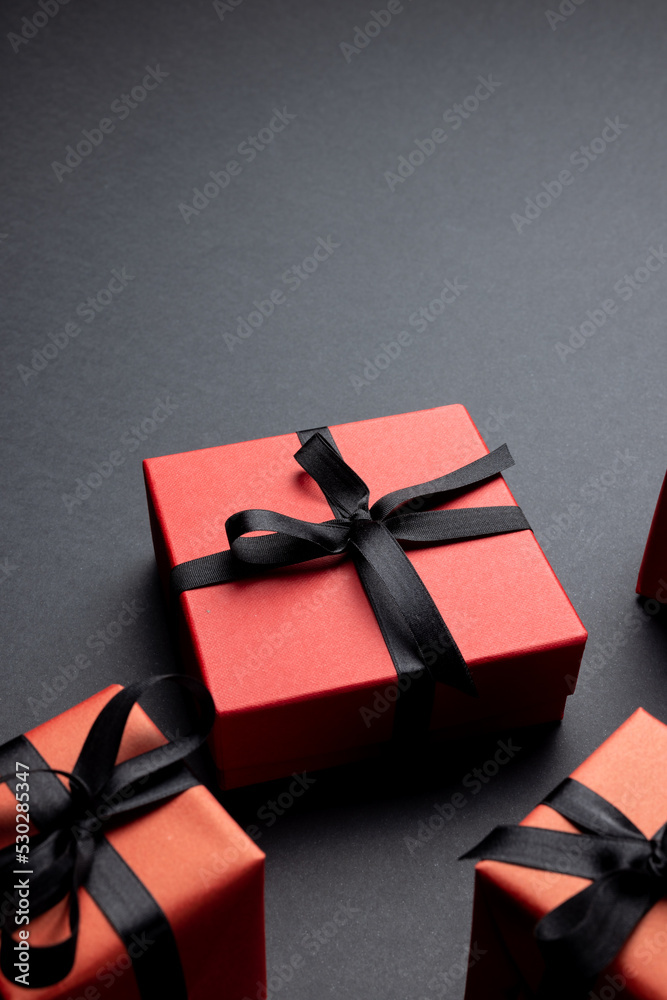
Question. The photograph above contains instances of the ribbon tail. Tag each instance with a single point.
(49, 964)
(344, 490)
(140, 922)
(416, 686)
(580, 938)
(437, 491)
(410, 610)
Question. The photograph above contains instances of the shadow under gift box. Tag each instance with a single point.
(294, 658)
(628, 770)
(201, 868)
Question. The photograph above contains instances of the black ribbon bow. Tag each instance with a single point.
(70, 850)
(421, 646)
(584, 934)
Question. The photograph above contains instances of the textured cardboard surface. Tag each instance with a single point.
(65, 577)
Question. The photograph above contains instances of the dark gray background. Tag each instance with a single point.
(65, 575)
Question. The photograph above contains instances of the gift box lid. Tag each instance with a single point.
(308, 631)
(628, 770)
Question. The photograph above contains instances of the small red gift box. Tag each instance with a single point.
(294, 658)
(182, 860)
(652, 582)
(627, 770)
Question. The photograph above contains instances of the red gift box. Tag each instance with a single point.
(204, 872)
(294, 658)
(628, 771)
(652, 581)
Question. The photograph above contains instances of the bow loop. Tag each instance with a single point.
(291, 540)
(344, 489)
(443, 488)
(74, 819)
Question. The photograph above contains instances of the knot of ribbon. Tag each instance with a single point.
(418, 639)
(628, 873)
(70, 850)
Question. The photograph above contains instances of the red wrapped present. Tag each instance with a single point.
(121, 875)
(652, 581)
(462, 627)
(574, 903)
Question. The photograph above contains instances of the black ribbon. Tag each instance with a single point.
(421, 646)
(584, 934)
(70, 850)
